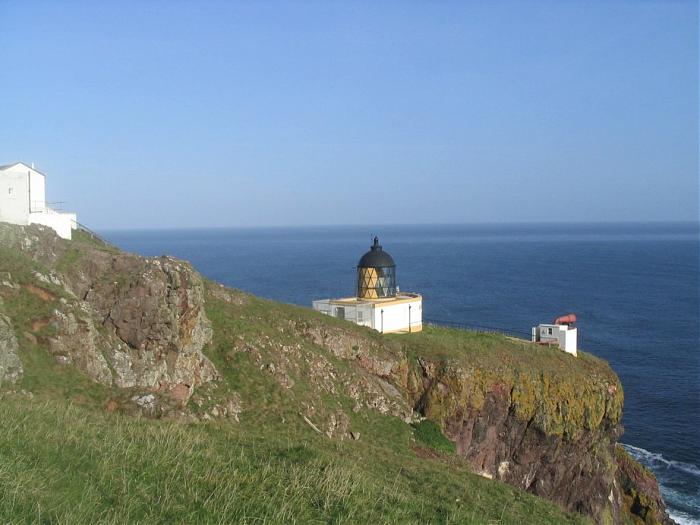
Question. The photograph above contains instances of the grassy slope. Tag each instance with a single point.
(63, 458)
(63, 463)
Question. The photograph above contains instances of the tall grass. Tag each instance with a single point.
(61, 463)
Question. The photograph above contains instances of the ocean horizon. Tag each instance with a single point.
(634, 287)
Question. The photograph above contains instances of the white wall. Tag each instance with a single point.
(23, 201)
(562, 334)
(396, 317)
(360, 313)
(62, 223)
(357, 313)
(37, 191)
(14, 196)
(568, 340)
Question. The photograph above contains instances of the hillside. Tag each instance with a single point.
(133, 389)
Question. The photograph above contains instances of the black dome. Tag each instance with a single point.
(376, 257)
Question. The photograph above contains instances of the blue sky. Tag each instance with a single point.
(190, 114)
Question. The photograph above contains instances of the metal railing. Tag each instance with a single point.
(358, 313)
(83, 228)
(46, 207)
(521, 334)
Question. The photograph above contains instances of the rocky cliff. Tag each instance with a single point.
(124, 320)
(530, 416)
(531, 428)
(533, 417)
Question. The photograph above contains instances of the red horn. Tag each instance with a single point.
(566, 319)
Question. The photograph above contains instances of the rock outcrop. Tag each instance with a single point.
(641, 498)
(125, 320)
(10, 365)
(376, 390)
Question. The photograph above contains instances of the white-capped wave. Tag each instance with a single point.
(667, 470)
(640, 453)
(682, 518)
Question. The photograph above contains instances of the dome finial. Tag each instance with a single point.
(376, 257)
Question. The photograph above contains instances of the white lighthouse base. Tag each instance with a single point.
(400, 314)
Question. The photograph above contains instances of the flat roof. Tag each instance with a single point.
(402, 297)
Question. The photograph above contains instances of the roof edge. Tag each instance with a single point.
(13, 164)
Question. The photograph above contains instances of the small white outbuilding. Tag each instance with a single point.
(23, 200)
(562, 331)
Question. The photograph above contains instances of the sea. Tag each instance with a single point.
(634, 288)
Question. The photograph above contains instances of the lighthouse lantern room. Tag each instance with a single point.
(378, 303)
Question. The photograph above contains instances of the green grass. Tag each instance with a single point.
(68, 259)
(44, 376)
(81, 238)
(429, 433)
(76, 249)
(496, 351)
(61, 463)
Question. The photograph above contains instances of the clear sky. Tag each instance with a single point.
(189, 114)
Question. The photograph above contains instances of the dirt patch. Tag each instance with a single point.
(181, 393)
(38, 324)
(42, 294)
(426, 453)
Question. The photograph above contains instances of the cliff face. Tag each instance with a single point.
(536, 430)
(533, 417)
(641, 498)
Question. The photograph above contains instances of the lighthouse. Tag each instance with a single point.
(377, 302)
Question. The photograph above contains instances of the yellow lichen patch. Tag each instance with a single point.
(562, 394)
(524, 397)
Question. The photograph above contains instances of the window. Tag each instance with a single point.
(359, 315)
(549, 331)
(373, 283)
(9, 191)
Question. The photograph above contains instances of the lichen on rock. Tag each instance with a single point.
(640, 495)
(539, 421)
(125, 320)
(10, 364)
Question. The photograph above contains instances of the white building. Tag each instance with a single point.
(23, 200)
(563, 332)
(378, 302)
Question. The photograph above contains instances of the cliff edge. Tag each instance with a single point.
(156, 340)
